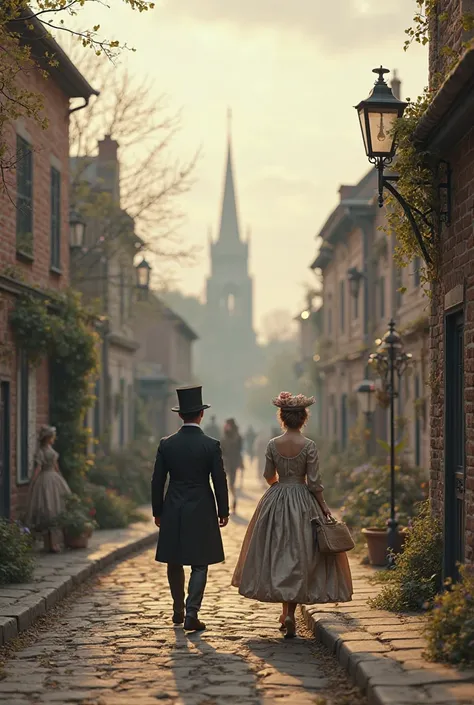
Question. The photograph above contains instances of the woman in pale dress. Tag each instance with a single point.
(279, 559)
(48, 490)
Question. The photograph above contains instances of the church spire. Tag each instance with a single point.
(229, 226)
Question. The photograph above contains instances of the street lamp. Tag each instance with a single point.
(355, 277)
(378, 115)
(143, 275)
(390, 362)
(77, 229)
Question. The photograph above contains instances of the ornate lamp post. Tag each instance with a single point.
(378, 115)
(390, 362)
(77, 229)
(366, 390)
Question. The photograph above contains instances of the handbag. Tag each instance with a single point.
(333, 537)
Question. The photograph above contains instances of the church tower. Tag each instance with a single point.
(230, 351)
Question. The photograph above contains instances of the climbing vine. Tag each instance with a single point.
(60, 329)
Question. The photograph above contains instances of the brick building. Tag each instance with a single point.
(103, 270)
(34, 253)
(447, 131)
(164, 361)
(349, 325)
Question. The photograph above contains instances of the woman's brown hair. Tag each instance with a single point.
(294, 419)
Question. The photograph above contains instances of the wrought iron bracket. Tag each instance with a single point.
(444, 191)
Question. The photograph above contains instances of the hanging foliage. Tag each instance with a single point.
(61, 330)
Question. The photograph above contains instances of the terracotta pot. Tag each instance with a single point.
(81, 541)
(377, 544)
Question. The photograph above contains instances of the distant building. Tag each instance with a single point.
(103, 270)
(228, 354)
(164, 362)
(351, 240)
(34, 255)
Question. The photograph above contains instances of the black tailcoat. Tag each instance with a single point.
(189, 530)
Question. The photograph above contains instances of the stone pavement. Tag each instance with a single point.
(114, 644)
(56, 575)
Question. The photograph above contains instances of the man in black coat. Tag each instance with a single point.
(187, 517)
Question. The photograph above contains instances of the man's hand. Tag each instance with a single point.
(157, 521)
(223, 521)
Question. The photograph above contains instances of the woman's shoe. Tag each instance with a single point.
(290, 627)
(281, 619)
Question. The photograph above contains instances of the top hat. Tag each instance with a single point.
(190, 401)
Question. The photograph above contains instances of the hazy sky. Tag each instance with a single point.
(291, 70)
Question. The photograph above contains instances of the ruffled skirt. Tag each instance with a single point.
(46, 500)
(279, 560)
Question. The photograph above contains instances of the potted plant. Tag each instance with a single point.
(76, 522)
(376, 537)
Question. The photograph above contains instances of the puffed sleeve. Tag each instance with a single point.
(270, 471)
(313, 475)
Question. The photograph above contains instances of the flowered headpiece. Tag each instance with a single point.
(286, 400)
(46, 432)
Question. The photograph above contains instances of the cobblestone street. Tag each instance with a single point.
(114, 644)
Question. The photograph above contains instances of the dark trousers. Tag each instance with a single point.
(196, 587)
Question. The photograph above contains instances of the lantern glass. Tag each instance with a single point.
(363, 127)
(143, 275)
(77, 234)
(381, 131)
(365, 390)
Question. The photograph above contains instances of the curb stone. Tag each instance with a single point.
(384, 679)
(32, 600)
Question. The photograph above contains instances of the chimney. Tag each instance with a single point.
(345, 192)
(108, 167)
(396, 85)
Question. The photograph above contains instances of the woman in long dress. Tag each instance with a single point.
(279, 559)
(48, 490)
(231, 444)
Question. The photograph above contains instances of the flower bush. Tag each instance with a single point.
(16, 553)
(112, 511)
(77, 518)
(368, 502)
(450, 626)
(128, 472)
(414, 581)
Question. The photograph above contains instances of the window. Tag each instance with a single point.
(26, 417)
(344, 421)
(417, 271)
(329, 322)
(96, 418)
(122, 296)
(55, 219)
(355, 306)
(417, 425)
(382, 297)
(122, 413)
(342, 303)
(24, 197)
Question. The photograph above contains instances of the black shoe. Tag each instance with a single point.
(193, 624)
(178, 618)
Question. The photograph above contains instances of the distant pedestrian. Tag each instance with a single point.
(250, 437)
(231, 443)
(48, 491)
(212, 429)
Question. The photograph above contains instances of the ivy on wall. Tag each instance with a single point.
(61, 330)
